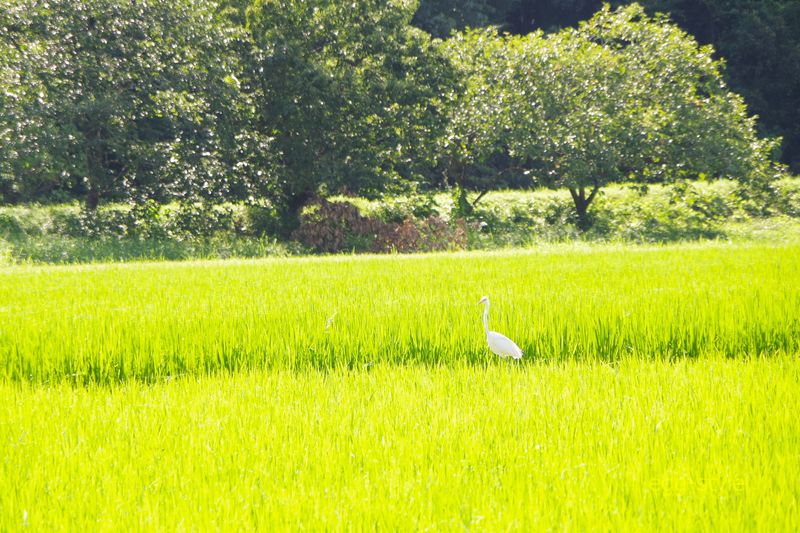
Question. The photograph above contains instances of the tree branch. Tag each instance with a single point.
(478, 198)
(593, 194)
(574, 194)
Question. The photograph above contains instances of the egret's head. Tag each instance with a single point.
(484, 300)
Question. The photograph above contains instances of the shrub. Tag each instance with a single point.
(10, 227)
(331, 227)
(398, 209)
(430, 235)
(262, 220)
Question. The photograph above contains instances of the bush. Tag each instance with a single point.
(398, 209)
(332, 227)
(262, 220)
(788, 197)
(430, 235)
(10, 227)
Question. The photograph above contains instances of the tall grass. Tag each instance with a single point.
(149, 321)
(692, 445)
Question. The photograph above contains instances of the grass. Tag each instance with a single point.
(110, 323)
(658, 392)
(692, 445)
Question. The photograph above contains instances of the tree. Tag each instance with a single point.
(758, 40)
(118, 100)
(477, 129)
(624, 97)
(442, 17)
(350, 92)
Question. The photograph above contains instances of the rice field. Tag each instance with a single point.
(658, 391)
(150, 321)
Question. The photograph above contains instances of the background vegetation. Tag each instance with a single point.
(685, 211)
(276, 104)
(758, 41)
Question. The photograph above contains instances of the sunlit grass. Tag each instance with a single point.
(109, 323)
(658, 392)
(708, 444)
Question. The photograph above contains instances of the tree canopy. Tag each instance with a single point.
(110, 100)
(278, 101)
(758, 40)
(350, 92)
(624, 97)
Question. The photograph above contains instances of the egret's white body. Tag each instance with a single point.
(499, 344)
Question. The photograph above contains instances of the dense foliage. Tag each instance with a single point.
(758, 40)
(277, 102)
(116, 100)
(351, 93)
(622, 98)
(408, 223)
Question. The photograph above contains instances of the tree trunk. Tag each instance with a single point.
(95, 166)
(582, 205)
(291, 211)
(95, 172)
(92, 198)
(478, 198)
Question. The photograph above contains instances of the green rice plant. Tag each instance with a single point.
(151, 321)
(658, 391)
(639, 445)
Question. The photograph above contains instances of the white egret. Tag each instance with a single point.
(498, 343)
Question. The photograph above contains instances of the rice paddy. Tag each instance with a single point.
(658, 391)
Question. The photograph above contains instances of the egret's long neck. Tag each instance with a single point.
(486, 317)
